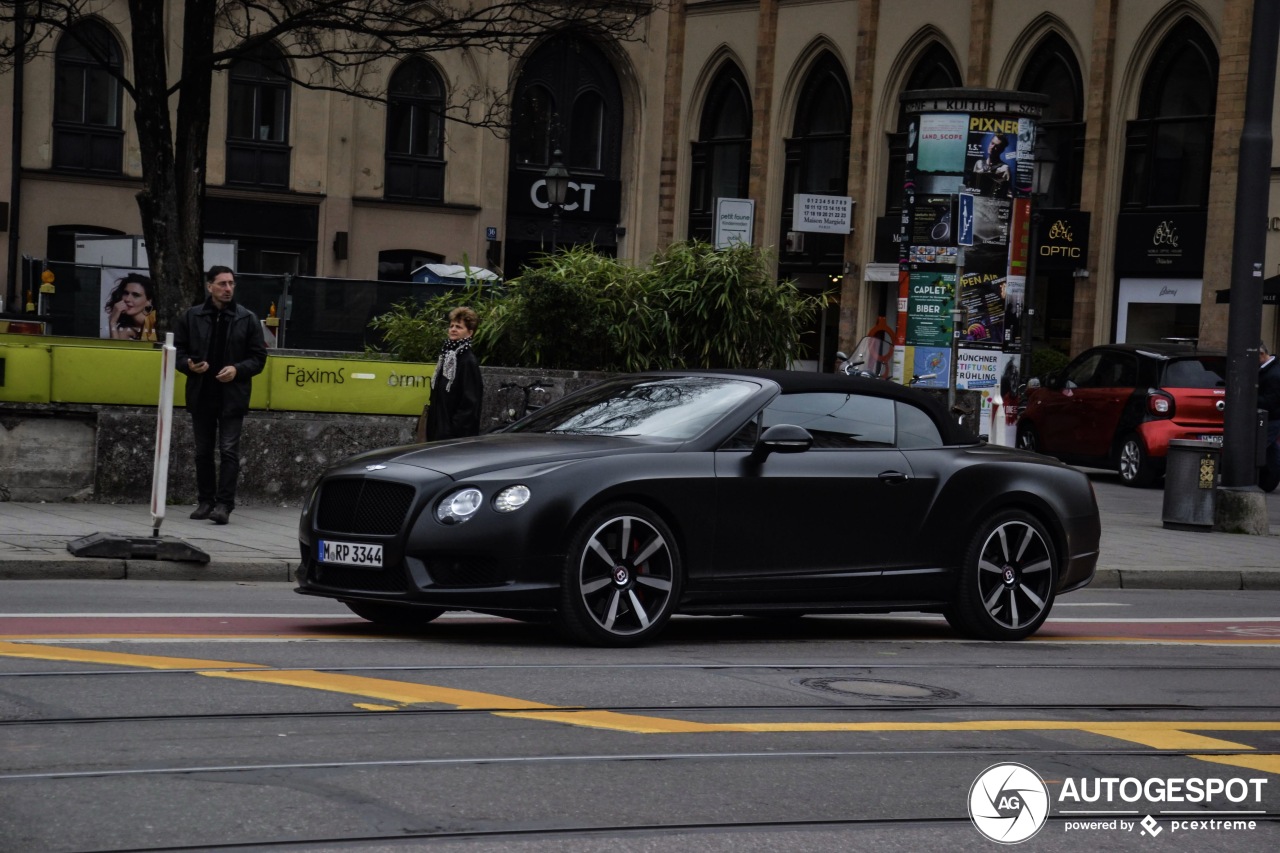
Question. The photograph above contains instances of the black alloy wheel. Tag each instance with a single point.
(1135, 466)
(1008, 580)
(395, 617)
(621, 577)
(1027, 438)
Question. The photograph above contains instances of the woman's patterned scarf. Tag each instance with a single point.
(447, 363)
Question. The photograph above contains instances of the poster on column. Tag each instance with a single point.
(1014, 294)
(941, 146)
(930, 367)
(988, 371)
(991, 155)
(128, 305)
(982, 306)
(929, 308)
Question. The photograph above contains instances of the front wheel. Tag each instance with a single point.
(1027, 439)
(1136, 467)
(396, 617)
(1008, 579)
(621, 577)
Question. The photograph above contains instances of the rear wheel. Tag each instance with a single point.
(1008, 580)
(621, 578)
(397, 617)
(1135, 465)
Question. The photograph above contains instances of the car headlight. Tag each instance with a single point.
(459, 506)
(511, 498)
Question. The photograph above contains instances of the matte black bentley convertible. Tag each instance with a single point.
(706, 492)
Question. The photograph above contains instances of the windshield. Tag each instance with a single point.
(677, 407)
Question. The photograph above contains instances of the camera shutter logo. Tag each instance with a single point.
(1008, 803)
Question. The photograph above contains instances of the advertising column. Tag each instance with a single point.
(968, 183)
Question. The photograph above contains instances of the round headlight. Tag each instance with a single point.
(459, 506)
(511, 498)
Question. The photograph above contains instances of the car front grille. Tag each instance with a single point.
(363, 507)
(358, 580)
(463, 571)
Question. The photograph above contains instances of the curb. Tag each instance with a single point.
(90, 568)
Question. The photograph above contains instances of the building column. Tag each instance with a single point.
(979, 43)
(856, 244)
(1219, 239)
(762, 115)
(1099, 172)
(672, 105)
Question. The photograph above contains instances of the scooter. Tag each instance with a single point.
(873, 357)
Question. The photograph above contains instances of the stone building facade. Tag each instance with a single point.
(749, 99)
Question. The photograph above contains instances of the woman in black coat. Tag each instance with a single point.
(456, 386)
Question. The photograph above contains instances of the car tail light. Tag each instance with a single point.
(1160, 404)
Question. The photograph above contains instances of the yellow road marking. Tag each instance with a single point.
(23, 650)
(1158, 734)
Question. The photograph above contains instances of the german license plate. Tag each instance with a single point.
(1213, 439)
(350, 553)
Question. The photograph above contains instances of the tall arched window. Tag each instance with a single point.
(817, 158)
(415, 133)
(258, 120)
(1169, 146)
(935, 69)
(722, 154)
(87, 132)
(1053, 71)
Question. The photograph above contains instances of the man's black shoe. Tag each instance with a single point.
(220, 514)
(202, 511)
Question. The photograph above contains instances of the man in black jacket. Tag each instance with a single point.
(1269, 399)
(220, 347)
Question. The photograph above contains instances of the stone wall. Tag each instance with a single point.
(105, 454)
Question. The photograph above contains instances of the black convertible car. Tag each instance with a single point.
(705, 492)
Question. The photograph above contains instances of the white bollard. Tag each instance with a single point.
(164, 431)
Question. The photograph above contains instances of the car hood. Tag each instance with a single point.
(466, 457)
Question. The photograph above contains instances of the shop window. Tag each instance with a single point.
(415, 133)
(1169, 146)
(399, 264)
(1054, 71)
(721, 158)
(87, 131)
(258, 120)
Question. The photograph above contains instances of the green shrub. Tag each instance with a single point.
(1045, 360)
(693, 306)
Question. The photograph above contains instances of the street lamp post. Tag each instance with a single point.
(1045, 160)
(557, 182)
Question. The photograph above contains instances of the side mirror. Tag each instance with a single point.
(781, 438)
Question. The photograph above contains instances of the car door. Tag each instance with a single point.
(1103, 403)
(1059, 411)
(829, 518)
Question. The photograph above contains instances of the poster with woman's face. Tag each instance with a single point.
(128, 305)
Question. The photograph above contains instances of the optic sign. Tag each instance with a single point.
(538, 195)
(828, 214)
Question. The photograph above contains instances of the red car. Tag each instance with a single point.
(1118, 405)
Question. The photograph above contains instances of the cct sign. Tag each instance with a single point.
(1062, 240)
(588, 198)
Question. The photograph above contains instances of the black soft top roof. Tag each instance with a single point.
(798, 382)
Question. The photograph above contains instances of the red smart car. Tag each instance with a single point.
(1118, 405)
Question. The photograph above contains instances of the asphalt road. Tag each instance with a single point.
(187, 715)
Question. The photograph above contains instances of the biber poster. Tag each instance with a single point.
(128, 305)
(982, 303)
(929, 308)
(941, 146)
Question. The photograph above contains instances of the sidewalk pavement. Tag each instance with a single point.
(261, 544)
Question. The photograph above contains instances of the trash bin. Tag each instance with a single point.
(1190, 484)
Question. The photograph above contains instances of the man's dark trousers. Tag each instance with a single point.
(216, 435)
